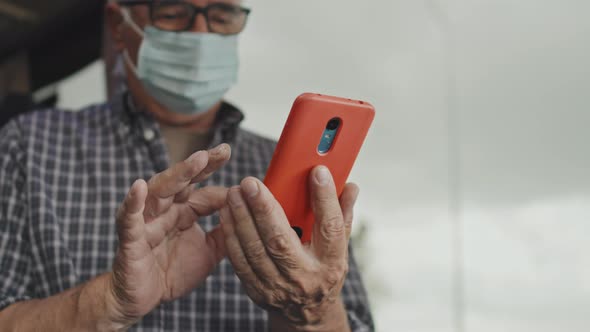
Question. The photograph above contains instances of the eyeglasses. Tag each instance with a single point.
(221, 18)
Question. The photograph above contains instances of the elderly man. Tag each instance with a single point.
(67, 263)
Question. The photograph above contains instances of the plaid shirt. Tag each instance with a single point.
(63, 176)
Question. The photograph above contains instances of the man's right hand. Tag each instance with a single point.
(163, 253)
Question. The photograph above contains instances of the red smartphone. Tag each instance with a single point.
(320, 130)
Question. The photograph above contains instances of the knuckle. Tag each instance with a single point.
(272, 298)
(303, 288)
(333, 277)
(183, 195)
(263, 208)
(296, 297)
(260, 286)
(267, 297)
(327, 201)
(155, 206)
(332, 226)
(331, 281)
(278, 245)
(292, 293)
(311, 293)
(253, 292)
(255, 251)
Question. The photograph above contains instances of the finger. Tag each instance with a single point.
(217, 158)
(201, 202)
(164, 186)
(251, 243)
(329, 231)
(207, 200)
(173, 180)
(130, 222)
(159, 228)
(184, 195)
(281, 242)
(347, 201)
(234, 249)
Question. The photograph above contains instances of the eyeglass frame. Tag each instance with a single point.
(196, 11)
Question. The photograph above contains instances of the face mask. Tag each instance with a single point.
(186, 72)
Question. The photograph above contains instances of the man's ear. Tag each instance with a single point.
(115, 22)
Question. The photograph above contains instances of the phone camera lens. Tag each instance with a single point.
(333, 124)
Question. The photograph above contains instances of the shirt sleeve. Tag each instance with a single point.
(355, 299)
(15, 262)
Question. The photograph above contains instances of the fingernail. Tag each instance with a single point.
(192, 159)
(235, 197)
(250, 187)
(134, 188)
(322, 175)
(218, 150)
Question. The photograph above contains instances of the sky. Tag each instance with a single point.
(479, 144)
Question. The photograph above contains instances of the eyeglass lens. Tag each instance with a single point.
(177, 16)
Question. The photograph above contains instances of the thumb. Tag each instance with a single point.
(130, 221)
(329, 231)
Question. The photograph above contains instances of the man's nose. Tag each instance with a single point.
(200, 24)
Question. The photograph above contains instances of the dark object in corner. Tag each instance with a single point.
(60, 36)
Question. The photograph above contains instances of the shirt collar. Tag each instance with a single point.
(225, 128)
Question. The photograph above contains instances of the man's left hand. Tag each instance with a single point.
(299, 285)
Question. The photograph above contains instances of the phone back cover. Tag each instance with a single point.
(297, 152)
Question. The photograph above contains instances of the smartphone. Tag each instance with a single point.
(320, 130)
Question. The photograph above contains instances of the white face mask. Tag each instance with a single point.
(186, 72)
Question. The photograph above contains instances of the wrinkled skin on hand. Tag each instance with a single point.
(163, 253)
(300, 284)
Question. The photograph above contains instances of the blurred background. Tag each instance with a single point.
(475, 205)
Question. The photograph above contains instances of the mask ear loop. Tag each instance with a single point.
(130, 63)
(129, 21)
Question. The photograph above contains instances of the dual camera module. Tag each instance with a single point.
(329, 135)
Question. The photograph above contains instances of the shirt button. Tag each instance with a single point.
(149, 135)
